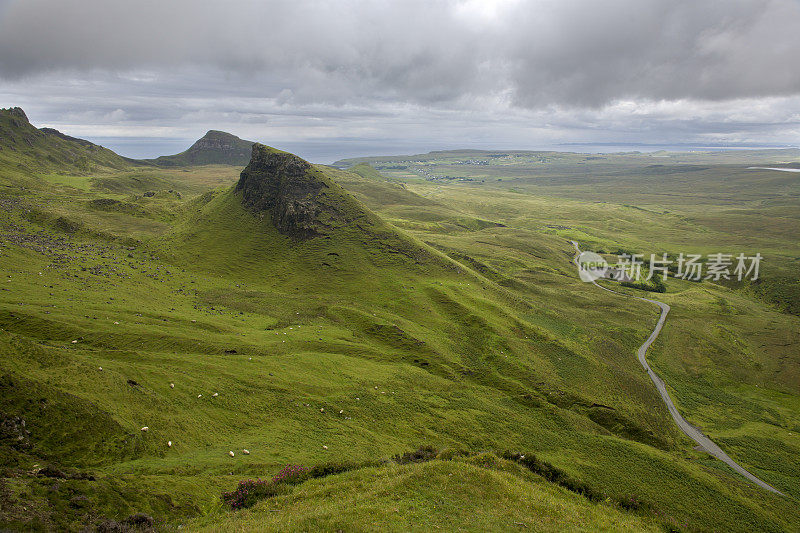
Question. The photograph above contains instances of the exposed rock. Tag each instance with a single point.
(215, 147)
(286, 187)
(13, 432)
(17, 112)
(51, 131)
(140, 520)
(53, 472)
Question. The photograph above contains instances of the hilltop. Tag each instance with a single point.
(286, 214)
(213, 148)
(28, 150)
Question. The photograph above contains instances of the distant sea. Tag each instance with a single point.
(330, 150)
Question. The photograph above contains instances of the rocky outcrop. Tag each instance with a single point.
(215, 147)
(285, 186)
(13, 432)
(16, 113)
(228, 147)
(82, 142)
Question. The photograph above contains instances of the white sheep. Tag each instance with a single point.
(231, 453)
(145, 428)
(246, 452)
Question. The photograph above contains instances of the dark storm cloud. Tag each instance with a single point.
(394, 74)
(576, 52)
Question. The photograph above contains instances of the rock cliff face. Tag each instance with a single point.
(287, 187)
(226, 144)
(16, 112)
(215, 147)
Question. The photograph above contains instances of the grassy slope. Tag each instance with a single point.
(521, 356)
(732, 361)
(691, 202)
(26, 151)
(449, 495)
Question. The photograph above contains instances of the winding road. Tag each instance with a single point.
(691, 431)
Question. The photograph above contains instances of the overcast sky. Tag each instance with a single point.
(350, 77)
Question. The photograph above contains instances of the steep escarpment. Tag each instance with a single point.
(287, 219)
(213, 148)
(301, 200)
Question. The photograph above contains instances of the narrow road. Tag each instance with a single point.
(691, 431)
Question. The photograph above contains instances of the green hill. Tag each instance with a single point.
(288, 216)
(479, 494)
(283, 314)
(214, 148)
(26, 150)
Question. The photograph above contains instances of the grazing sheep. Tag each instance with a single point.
(199, 395)
(231, 453)
(246, 452)
(100, 368)
(171, 385)
(324, 447)
(215, 395)
(74, 342)
(145, 428)
(169, 444)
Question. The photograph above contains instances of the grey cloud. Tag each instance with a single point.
(396, 74)
(531, 53)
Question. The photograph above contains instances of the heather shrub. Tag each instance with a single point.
(555, 475)
(629, 503)
(250, 492)
(420, 455)
(330, 469)
(291, 475)
(448, 454)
